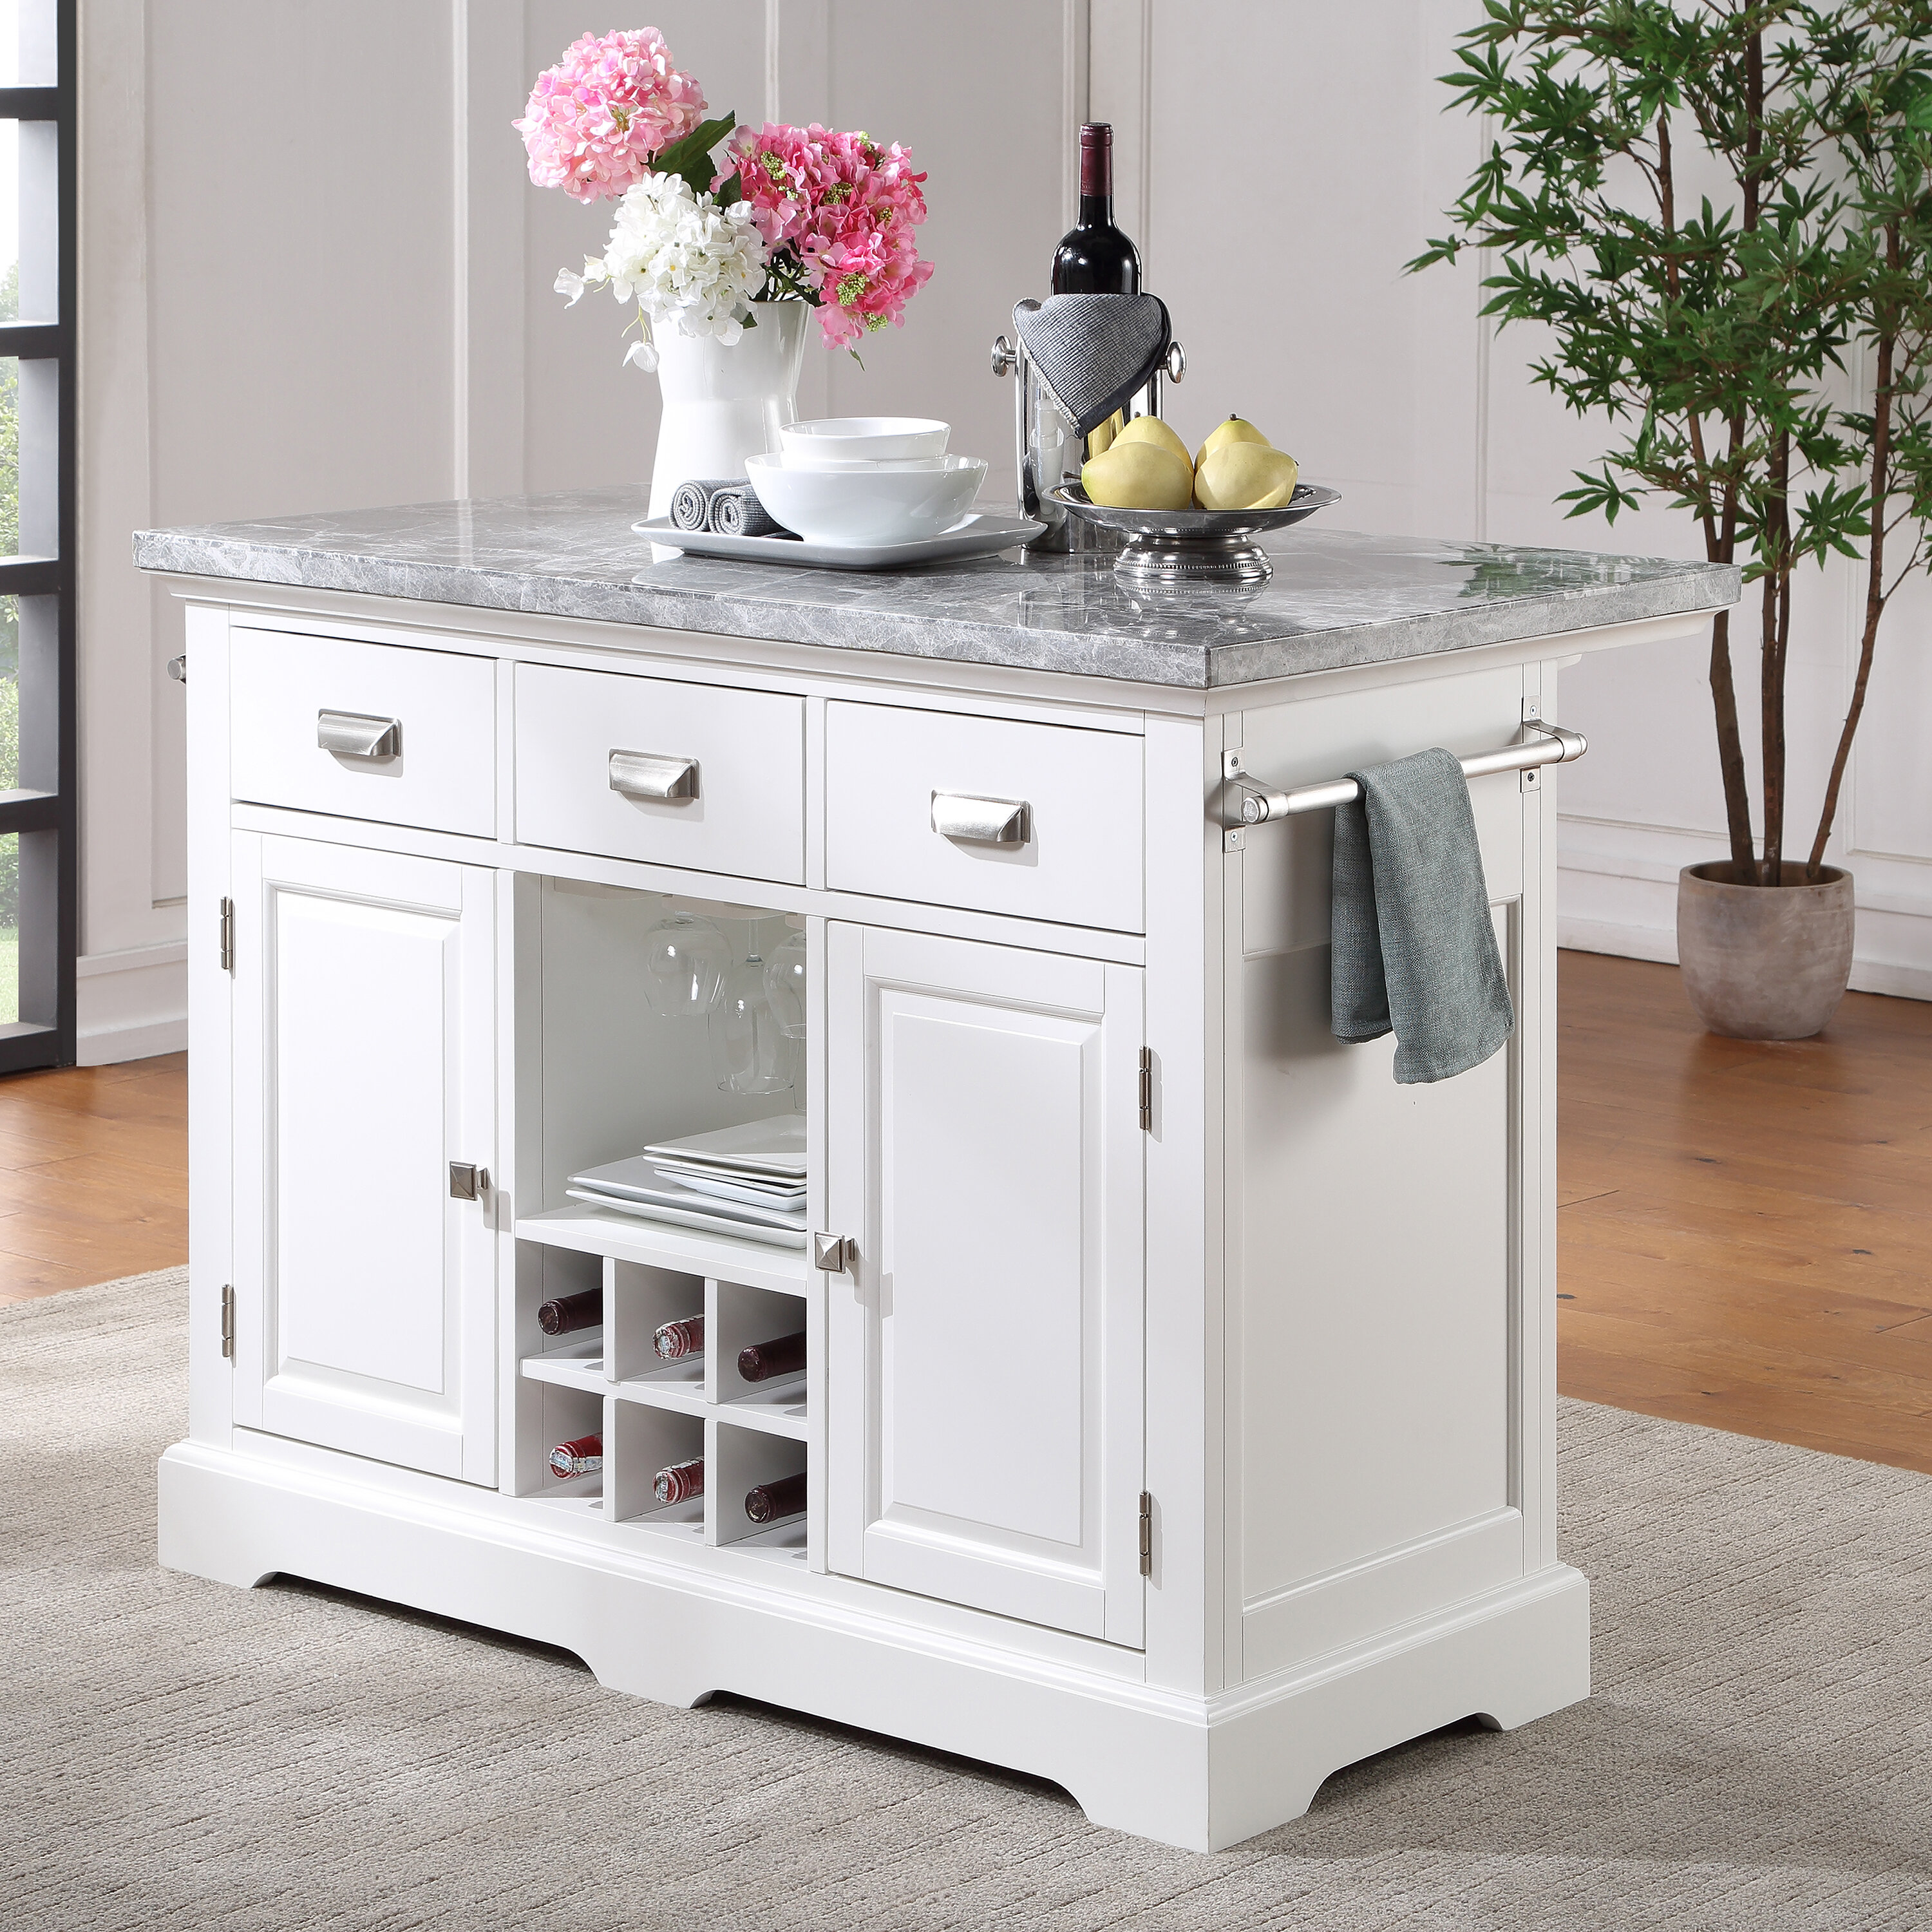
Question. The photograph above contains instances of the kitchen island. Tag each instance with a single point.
(1177, 1413)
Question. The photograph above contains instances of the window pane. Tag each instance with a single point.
(10, 928)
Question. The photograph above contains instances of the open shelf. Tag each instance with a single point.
(777, 1408)
(678, 1385)
(597, 1231)
(577, 1366)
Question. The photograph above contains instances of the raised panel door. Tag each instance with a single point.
(363, 1066)
(985, 1384)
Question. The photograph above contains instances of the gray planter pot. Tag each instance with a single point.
(1764, 962)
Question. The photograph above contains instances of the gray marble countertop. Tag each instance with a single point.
(1336, 599)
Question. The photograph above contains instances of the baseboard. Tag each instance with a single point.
(131, 1004)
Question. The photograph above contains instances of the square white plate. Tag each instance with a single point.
(775, 1146)
(618, 1193)
(977, 535)
(680, 1217)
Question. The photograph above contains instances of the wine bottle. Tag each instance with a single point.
(770, 1501)
(583, 1457)
(680, 1482)
(569, 1312)
(676, 1339)
(783, 1355)
(1094, 258)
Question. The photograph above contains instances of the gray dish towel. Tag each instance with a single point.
(726, 504)
(1096, 352)
(1412, 950)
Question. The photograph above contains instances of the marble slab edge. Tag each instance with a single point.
(1109, 654)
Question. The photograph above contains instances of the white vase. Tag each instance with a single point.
(720, 404)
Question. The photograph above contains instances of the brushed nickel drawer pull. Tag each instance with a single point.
(351, 735)
(653, 775)
(983, 821)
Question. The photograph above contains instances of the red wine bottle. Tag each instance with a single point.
(570, 1313)
(583, 1457)
(783, 1355)
(770, 1501)
(676, 1339)
(1094, 258)
(680, 1482)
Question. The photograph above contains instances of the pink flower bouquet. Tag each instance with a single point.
(804, 214)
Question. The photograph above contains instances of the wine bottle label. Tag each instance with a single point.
(676, 1339)
(583, 1457)
(783, 1355)
(680, 1482)
(770, 1501)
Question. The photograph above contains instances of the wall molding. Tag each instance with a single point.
(132, 1004)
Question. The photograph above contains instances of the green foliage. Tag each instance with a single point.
(691, 158)
(1714, 337)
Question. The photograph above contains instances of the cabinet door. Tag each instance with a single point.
(984, 1392)
(365, 1063)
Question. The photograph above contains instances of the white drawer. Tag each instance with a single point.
(890, 773)
(745, 813)
(438, 768)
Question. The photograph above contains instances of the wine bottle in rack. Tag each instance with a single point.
(783, 1355)
(771, 1501)
(583, 1457)
(676, 1339)
(569, 1312)
(680, 1482)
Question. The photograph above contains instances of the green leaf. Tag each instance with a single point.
(690, 158)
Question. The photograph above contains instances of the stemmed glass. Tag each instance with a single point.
(785, 985)
(684, 962)
(750, 1052)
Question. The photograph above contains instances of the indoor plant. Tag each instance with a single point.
(1715, 331)
(723, 264)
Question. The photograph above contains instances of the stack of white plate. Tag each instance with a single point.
(866, 480)
(746, 1180)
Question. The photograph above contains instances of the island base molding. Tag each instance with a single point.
(1200, 1774)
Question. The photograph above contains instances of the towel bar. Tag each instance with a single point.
(1245, 805)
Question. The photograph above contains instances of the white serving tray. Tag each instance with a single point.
(619, 1194)
(979, 534)
(774, 1146)
(680, 1217)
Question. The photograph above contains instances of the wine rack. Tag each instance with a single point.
(653, 1413)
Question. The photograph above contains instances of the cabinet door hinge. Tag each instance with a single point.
(1147, 1534)
(228, 1321)
(227, 935)
(1147, 1089)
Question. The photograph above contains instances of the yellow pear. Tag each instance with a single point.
(1245, 476)
(1235, 430)
(1151, 429)
(1138, 475)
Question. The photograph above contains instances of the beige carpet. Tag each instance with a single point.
(174, 1753)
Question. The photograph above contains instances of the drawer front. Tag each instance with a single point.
(917, 803)
(693, 775)
(293, 699)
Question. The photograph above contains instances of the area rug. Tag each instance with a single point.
(174, 1753)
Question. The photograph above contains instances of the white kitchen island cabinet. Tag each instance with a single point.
(1177, 1419)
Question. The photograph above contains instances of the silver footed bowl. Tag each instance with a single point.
(1194, 546)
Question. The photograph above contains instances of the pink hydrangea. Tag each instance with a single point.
(595, 118)
(846, 208)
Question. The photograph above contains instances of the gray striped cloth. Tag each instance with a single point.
(728, 504)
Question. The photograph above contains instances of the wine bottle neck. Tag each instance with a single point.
(1096, 211)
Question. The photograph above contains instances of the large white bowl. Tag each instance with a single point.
(843, 439)
(866, 506)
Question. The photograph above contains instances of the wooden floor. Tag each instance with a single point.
(1744, 1234)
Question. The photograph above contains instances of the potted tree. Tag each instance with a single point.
(1714, 333)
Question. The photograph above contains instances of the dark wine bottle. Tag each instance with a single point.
(783, 1355)
(680, 1482)
(583, 1457)
(1094, 258)
(770, 1501)
(676, 1339)
(569, 1312)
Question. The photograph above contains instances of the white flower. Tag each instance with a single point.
(681, 258)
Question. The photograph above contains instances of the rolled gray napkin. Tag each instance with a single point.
(1412, 950)
(735, 512)
(691, 503)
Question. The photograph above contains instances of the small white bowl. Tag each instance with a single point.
(869, 506)
(875, 439)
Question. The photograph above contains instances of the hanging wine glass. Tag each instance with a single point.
(685, 960)
(785, 985)
(749, 1051)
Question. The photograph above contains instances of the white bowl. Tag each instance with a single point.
(811, 460)
(874, 438)
(867, 506)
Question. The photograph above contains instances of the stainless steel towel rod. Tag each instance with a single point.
(1251, 805)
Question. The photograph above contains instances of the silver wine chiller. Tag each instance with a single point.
(1048, 450)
